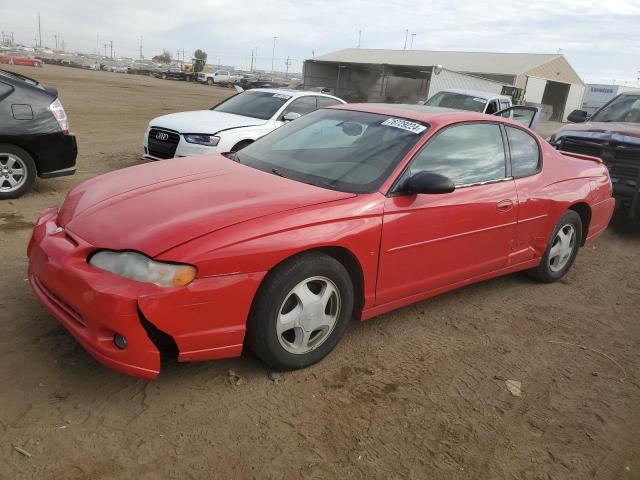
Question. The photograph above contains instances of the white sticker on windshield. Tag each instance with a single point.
(479, 100)
(404, 125)
(281, 96)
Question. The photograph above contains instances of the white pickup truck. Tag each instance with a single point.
(484, 102)
(472, 100)
(221, 77)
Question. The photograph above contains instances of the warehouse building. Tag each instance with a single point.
(407, 76)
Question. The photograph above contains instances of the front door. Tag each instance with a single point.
(432, 241)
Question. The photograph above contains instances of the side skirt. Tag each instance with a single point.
(387, 307)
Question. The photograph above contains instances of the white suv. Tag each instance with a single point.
(231, 125)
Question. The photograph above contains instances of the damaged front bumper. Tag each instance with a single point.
(204, 320)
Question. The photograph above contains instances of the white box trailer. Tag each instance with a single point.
(597, 94)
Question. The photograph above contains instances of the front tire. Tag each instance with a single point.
(300, 312)
(562, 249)
(17, 171)
(210, 81)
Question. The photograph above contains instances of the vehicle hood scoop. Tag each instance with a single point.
(154, 207)
(203, 121)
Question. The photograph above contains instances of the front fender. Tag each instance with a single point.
(258, 245)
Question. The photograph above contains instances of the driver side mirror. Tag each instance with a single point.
(578, 116)
(428, 182)
(290, 116)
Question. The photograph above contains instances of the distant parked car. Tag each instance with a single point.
(173, 73)
(350, 211)
(231, 125)
(220, 77)
(34, 135)
(18, 60)
(613, 134)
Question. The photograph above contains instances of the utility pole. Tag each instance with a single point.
(141, 56)
(39, 31)
(359, 37)
(413, 35)
(252, 53)
(273, 54)
(406, 37)
(97, 44)
(56, 37)
(111, 43)
(105, 50)
(288, 63)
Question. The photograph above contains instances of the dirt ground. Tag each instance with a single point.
(418, 393)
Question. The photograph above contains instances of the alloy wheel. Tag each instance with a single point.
(13, 172)
(308, 315)
(562, 248)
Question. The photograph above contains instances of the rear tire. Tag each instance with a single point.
(17, 171)
(562, 249)
(300, 312)
(210, 81)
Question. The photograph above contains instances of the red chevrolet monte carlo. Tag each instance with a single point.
(349, 211)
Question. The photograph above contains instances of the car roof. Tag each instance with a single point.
(475, 93)
(420, 113)
(291, 92)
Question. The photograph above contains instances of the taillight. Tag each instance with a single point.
(60, 115)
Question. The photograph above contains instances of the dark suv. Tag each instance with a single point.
(613, 134)
(34, 135)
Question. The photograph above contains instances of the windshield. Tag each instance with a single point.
(262, 105)
(337, 149)
(458, 101)
(625, 108)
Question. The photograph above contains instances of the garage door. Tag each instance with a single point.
(535, 89)
(574, 100)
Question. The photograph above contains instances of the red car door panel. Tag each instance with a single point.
(429, 241)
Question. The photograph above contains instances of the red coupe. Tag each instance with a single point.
(350, 211)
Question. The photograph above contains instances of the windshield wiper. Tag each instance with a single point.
(275, 171)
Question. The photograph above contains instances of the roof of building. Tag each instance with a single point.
(479, 62)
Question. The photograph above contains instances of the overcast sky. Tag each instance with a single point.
(601, 39)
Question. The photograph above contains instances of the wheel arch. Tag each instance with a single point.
(246, 141)
(28, 150)
(346, 258)
(584, 210)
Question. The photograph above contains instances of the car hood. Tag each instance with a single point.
(155, 207)
(610, 131)
(203, 121)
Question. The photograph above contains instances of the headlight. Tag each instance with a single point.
(60, 115)
(201, 139)
(138, 267)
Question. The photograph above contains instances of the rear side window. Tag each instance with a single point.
(327, 102)
(467, 154)
(525, 154)
(302, 105)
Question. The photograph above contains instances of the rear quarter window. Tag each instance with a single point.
(525, 153)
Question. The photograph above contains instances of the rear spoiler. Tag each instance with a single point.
(581, 157)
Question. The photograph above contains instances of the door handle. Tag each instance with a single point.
(504, 206)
